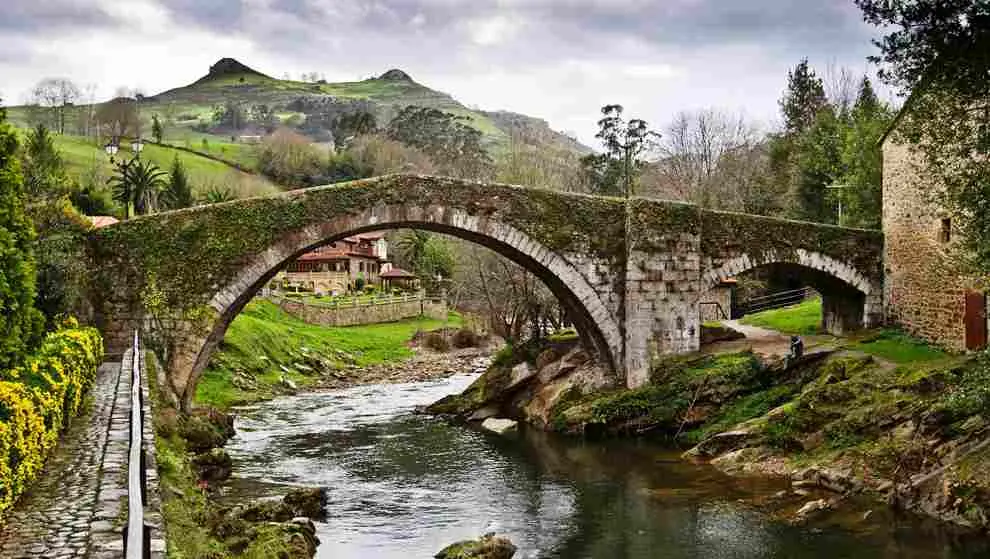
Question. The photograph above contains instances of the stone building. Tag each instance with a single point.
(335, 268)
(925, 292)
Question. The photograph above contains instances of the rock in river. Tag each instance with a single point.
(488, 546)
(499, 425)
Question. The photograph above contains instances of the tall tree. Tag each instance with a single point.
(804, 98)
(816, 165)
(861, 159)
(57, 94)
(20, 322)
(44, 171)
(348, 126)
(625, 141)
(177, 194)
(940, 51)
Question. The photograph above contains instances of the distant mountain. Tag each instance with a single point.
(309, 105)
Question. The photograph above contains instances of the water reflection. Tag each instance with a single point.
(404, 485)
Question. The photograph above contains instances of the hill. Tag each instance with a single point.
(309, 105)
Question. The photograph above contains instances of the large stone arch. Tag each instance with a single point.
(850, 302)
(597, 326)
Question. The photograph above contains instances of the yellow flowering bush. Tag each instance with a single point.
(37, 401)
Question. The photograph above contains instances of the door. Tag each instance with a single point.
(976, 320)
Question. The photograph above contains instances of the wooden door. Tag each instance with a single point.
(976, 320)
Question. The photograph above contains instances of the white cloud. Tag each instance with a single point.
(494, 30)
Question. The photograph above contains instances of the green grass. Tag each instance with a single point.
(804, 318)
(898, 347)
(83, 158)
(263, 339)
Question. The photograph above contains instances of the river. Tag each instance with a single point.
(403, 485)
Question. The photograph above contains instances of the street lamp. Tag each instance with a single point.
(111, 148)
(136, 146)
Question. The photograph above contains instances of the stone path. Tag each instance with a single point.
(74, 507)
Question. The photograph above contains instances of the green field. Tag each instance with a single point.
(87, 162)
(804, 318)
(263, 339)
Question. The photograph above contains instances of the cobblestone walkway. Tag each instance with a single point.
(71, 510)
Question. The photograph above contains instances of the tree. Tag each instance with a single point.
(625, 142)
(137, 185)
(803, 100)
(119, 117)
(426, 254)
(940, 53)
(20, 322)
(157, 131)
(348, 126)
(695, 151)
(44, 172)
(861, 159)
(289, 158)
(177, 194)
(816, 165)
(602, 174)
(453, 145)
(264, 117)
(230, 115)
(56, 94)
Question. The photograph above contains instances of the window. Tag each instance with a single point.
(945, 230)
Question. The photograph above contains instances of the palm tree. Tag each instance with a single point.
(414, 247)
(137, 185)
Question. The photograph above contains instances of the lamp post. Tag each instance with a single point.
(839, 188)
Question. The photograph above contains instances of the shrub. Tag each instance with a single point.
(38, 399)
(465, 337)
(20, 322)
(436, 341)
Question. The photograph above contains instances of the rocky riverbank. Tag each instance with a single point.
(842, 423)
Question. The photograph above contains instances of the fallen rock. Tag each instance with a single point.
(484, 413)
(499, 425)
(488, 546)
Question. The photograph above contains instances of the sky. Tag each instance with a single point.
(559, 60)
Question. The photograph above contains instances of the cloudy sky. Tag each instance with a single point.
(556, 59)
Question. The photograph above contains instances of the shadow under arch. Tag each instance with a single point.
(598, 328)
(850, 300)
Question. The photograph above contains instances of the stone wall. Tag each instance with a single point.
(350, 314)
(924, 290)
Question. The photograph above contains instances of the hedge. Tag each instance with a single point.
(37, 401)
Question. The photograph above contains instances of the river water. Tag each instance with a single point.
(404, 485)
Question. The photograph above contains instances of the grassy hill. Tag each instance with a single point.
(85, 160)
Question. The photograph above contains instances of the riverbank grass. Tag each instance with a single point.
(803, 319)
(265, 348)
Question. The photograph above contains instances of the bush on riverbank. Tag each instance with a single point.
(38, 400)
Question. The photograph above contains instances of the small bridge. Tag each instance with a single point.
(629, 272)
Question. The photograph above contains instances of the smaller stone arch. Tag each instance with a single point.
(850, 298)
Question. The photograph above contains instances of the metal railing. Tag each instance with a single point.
(779, 299)
(712, 310)
(134, 540)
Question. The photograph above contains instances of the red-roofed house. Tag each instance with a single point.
(336, 267)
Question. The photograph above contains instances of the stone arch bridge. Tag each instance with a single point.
(629, 272)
